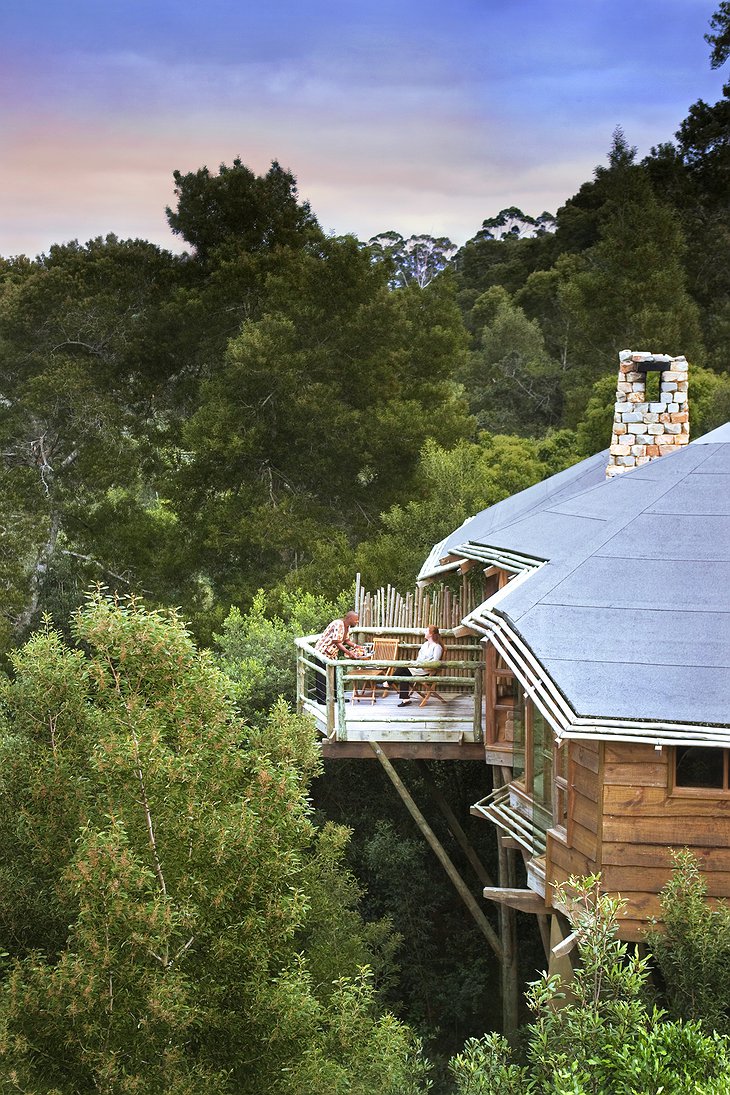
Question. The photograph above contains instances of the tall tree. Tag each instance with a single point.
(415, 261)
(694, 174)
(512, 383)
(92, 345)
(236, 207)
(720, 38)
(628, 290)
(315, 420)
(175, 920)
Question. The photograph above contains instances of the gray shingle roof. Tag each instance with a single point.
(630, 615)
(523, 519)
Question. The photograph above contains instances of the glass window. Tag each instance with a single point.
(697, 766)
(518, 770)
(542, 764)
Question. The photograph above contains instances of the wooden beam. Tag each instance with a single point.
(524, 900)
(566, 946)
(434, 843)
(509, 969)
(451, 820)
(404, 750)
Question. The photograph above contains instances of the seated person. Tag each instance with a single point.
(429, 656)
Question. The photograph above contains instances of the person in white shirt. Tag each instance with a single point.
(429, 655)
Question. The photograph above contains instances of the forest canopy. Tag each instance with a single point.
(216, 443)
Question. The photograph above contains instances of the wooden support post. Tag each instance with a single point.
(461, 838)
(490, 690)
(543, 923)
(478, 698)
(508, 938)
(507, 929)
(340, 690)
(462, 889)
(330, 698)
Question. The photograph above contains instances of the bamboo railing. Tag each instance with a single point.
(387, 608)
(462, 672)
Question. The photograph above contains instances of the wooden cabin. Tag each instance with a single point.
(607, 671)
(591, 673)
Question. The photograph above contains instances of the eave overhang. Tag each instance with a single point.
(488, 621)
(487, 555)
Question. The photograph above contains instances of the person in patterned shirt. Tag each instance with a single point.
(332, 642)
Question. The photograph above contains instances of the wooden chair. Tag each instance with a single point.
(384, 650)
(427, 689)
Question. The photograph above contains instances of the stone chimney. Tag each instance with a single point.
(644, 429)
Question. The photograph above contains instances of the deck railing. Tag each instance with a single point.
(459, 673)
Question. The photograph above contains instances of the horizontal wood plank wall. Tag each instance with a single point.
(578, 853)
(640, 824)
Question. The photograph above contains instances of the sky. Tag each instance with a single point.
(420, 116)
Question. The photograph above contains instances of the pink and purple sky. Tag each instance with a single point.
(412, 115)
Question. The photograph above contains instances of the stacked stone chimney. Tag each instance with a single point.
(643, 430)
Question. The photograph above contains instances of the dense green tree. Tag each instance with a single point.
(720, 38)
(628, 290)
(175, 920)
(316, 418)
(605, 1037)
(694, 174)
(513, 385)
(92, 348)
(239, 209)
(454, 484)
(484, 262)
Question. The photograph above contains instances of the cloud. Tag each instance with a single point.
(418, 116)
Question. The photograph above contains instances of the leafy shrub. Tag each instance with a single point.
(605, 1038)
(693, 950)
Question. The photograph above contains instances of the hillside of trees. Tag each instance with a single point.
(199, 452)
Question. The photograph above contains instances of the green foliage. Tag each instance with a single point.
(454, 484)
(720, 39)
(353, 1053)
(257, 647)
(237, 207)
(175, 920)
(692, 950)
(485, 1068)
(86, 395)
(512, 383)
(315, 420)
(629, 291)
(604, 1036)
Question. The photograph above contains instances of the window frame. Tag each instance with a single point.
(688, 791)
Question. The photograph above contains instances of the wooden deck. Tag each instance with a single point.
(385, 721)
(438, 731)
(448, 729)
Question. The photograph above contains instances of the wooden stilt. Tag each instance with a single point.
(507, 930)
(508, 939)
(460, 836)
(464, 892)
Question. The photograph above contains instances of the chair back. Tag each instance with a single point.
(385, 650)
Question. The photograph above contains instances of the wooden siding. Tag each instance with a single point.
(641, 821)
(576, 852)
